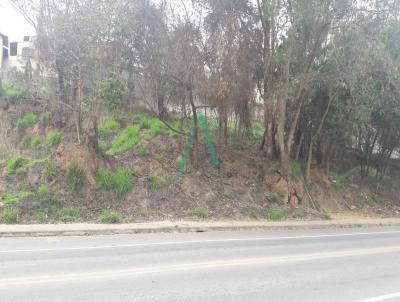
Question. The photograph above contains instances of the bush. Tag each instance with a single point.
(31, 142)
(50, 171)
(10, 216)
(9, 199)
(122, 181)
(15, 93)
(157, 182)
(27, 120)
(125, 141)
(110, 217)
(105, 179)
(54, 138)
(276, 215)
(14, 163)
(200, 213)
(75, 177)
(43, 190)
(296, 169)
(21, 171)
(327, 216)
(110, 126)
(112, 91)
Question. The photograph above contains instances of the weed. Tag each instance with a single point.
(299, 215)
(43, 190)
(227, 194)
(125, 141)
(296, 170)
(10, 216)
(110, 126)
(75, 177)
(9, 199)
(155, 126)
(200, 213)
(276, 215)
(15, 93)
(70, 215)
(27, 120)
(275, 197)
(54, 138)
(50, 171)
(159, 158)
(122, 180)
(21, 171)
(105, 179)
(14, 163)
(327, 216)
(41, 216)
(31, 142)
(144, 151)
(45, 118)
(110, 217)
(258, 130)
(145, 212)
(157, 182)
(25, 185)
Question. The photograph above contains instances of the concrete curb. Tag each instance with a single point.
(183, 227)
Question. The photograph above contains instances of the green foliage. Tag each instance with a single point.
(43, 190)
(144, 151)
(21, 171)
(276, 215)
(200, 213)
(296, 169)
(275, 197)
(50, 172)
(15, 93)
(340, 180)
(258, 129)
(157, 182)
(14, 163)
(27, 120)
(125, 141)
(327, 216)
(67, 215)
(227, 194)
(155, 126)
(110, 126)
(105, 179)
(31, 142)
(112, 91)
(75, 177)
(110, 217)
(54, 138)
(299, 214)
(10, 216)
(45, 118)
(123, 181)
(10, 199)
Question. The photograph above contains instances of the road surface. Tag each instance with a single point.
(327, 265)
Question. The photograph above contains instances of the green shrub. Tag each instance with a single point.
(54, 138)
(296, 169)
(50, 171)
(110, 217)
(9, 199)
(110, 126)
(27, 120)
(123, 180)
(31, 142)
(105, 179)
(200, 213)
(43, 190)
(75, 178)
(144, 151)
(21, 171)
(327, 216)
(10, 216)
(157, 182)
(125, 141)
(14, 163)
(155, 126)
(15, 93)
(41, 216)
(112, 91)
(276, 215)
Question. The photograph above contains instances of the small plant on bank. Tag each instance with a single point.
(27, 120)
(9, 199)
(75, 178)
(110, 217)
(227, 194)
(54, 138)
(157, 182)
(276, 215)
(50, 172)
(43, 190)
(10, 216)
(70, 215)
(31, 142)
(123, 180)
(327, 216)
(15, 93)
(22, 171)
(125, 141)
(144, 151)
(110, 126)
(105, 179)
(200, 213)
(14, 163)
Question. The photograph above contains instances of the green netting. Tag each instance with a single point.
(211, 147)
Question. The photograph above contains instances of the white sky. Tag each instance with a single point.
(12, 24)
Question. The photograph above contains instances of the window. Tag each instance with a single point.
(26, 38)
(13, 49)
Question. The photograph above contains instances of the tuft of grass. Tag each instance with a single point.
(54, 138)
(45, 118)
(144, 151)
(299, 215)
(10, 216)
(227, 194)
(75, 178)
(123, 180)
(43, 190)
(105, 179)
(9, 199)
(50, 172)
(27, 120)
(200, 213)
(31, 142)
(157, 182)
(70, 215)
(155, 126)
(110, 126)
(21, 171)
(14, 163)
(110, 217)
(125, 141)
(276, 215)
(41, 216)
(327, 216)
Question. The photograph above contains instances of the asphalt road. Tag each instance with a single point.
(329, 265)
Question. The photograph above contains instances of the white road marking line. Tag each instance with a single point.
(151, 244)
(383, 298)
(112, 274)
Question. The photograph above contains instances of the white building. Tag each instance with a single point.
(4, 50)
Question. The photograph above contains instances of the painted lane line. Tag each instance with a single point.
(231, 263)
(174, 243)
(383, 298)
